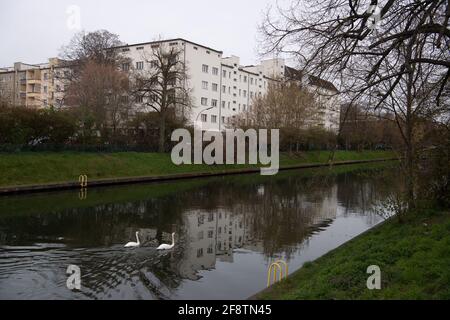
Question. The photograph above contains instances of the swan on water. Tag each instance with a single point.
(134, 244)
(166, 246)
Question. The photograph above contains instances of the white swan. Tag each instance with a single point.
(134, 244)
(166, 246)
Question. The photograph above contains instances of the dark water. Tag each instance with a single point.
(228, 230)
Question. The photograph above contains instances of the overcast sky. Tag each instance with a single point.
(33, 30)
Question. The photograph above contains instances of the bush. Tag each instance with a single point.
(24, 126)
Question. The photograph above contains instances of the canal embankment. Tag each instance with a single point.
(38, 172)
(413, 258)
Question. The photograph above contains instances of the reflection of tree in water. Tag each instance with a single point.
(274, 216)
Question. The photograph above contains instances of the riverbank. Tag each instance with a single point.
(28, 169)
(414, 258)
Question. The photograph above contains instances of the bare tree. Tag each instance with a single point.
(396, 66)
(162, 86)
(101, 92)
(95, 46)
(288, 106)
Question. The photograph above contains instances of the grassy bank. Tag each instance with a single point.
(414, 259)
(36, 168)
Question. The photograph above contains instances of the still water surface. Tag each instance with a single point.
(228, 230)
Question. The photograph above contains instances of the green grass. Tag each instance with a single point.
(414, 258)
(36, 168)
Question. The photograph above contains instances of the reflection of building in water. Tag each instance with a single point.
(211, 235)
(327, 207)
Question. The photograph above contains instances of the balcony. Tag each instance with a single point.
(34, 75)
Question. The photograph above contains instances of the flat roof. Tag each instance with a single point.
(163, 41)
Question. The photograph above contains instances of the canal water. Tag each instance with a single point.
(228, 231)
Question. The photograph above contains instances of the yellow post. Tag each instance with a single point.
(286, 268)
(273, 270)
(83, 180)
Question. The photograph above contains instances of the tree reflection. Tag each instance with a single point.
(273, 216)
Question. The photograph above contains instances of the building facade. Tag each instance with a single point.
(33, 86)
(221, 88)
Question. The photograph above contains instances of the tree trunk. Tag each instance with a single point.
(162, 132)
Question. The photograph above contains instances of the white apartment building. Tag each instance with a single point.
(221, 88)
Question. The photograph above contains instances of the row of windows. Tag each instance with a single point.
(214, 87)
(253, 81)
(140, 65)
(215, 70)
(213, 118)
(204, 102)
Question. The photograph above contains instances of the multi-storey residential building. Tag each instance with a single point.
(221, 88)
(33, 86)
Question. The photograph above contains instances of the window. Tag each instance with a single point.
(125, 49)
(140, 48)
(251, 80)
(215, 71)
(204, 101)
(240, 91)
(125, 66)
(154, 63)
(224, 73)
(210, 234)
(139, 99)
(45, 89)
(215, 87)
(45, 76)
(205, 68)
(223, 119)
(214, 102)
(224, 89)
(204, 118)
(245, 78)
(245, 93)
(223, 104)
(214, 119)
(205, 85)
(140, 65)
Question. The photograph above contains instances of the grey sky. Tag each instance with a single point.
(33, 30)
